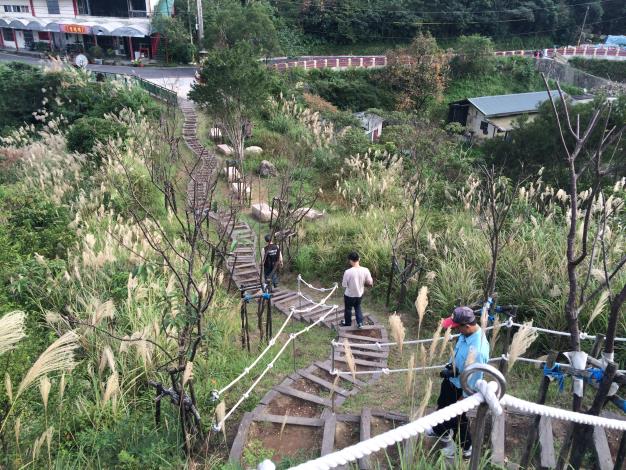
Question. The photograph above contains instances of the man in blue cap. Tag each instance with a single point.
(471, 347)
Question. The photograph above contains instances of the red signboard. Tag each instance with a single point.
(75, 29)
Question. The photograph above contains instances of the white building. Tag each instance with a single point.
(371, 123)
(486, 117)
(118, 26)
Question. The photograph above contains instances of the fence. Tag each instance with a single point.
(157, 91)
(486, 397)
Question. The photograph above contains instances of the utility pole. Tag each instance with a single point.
(200, 23)
(583, 26)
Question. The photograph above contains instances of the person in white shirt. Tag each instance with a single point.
(354, 281)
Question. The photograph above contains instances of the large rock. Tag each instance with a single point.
(261, 212)
(232, 174)
(254, 150)
(240, 188)
(225, 149)
(310, 213)
(267, 169)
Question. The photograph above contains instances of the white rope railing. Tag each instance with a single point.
(310, 286)
(217, 393)
(269, 366)
(387, 371)
(395, 343)
(486, 394)
(508, 324)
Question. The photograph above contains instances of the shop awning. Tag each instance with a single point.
(100, 26)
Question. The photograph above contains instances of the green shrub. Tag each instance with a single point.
(610, 69)
(86, 131)
(96, 52)
(353, 141)
(355, 89)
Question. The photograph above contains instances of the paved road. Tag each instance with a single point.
(178, 79)
(144, 72)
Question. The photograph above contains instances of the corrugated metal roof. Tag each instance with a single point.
(501, 105)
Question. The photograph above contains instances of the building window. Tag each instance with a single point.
(53, 7)
(7, 35)
(43, 35)
(484, 126)
(16, 8)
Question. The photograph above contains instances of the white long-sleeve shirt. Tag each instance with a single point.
(355, 279)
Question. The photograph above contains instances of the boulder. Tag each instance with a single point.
(267, 168)
(311, 214)
(232, 174)
(240, 188)
(254, 150)
(261, 212)
(225, 149)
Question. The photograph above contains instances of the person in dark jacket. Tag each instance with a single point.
(272, 260)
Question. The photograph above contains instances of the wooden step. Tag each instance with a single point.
(286, 390)
(365, 432)
(328, 435)
(362, 362)
(325, 365)
(295, 420)
(356, 338)
(324, 383)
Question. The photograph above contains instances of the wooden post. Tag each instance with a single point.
(620, 457)
(478, 436)
(541, 399)
(597, 346)
(393, 264)
(504, 365)
(582, 434)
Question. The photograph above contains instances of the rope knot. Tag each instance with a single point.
(509, 322)
(385, 371)
(583, 335)
(488, 391)
(272, 342)
(378, 345)
(333, 372)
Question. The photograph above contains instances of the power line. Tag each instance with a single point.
(333, 6)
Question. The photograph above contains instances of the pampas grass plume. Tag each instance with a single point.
(8, 386)
(112, 388)
(188, 374)
(497, 325)
(11, 330)
(420, 305)
(522, 340)
(599, 307)
(426, 399)
(44, 390)
(349, 357)
(58, 356)
(410, 375)
(398, 331)
(435, 344)
(220, 413)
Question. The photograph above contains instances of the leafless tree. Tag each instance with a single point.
(290, 206)
(192, 243)
(584, 155)
(407, 260)
(588, 150)
(495, 200)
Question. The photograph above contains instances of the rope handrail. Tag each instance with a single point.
(387, 371)
(215, 394)
(321, 303)
(319, 289)
(508, 324)
(484, 394)
(270, 365)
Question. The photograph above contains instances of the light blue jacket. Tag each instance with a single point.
(476, 342)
